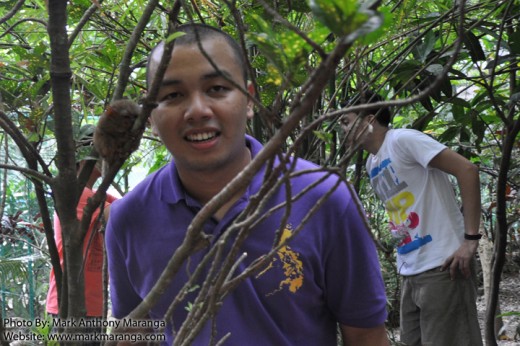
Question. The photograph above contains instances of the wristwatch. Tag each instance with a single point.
(472, 236)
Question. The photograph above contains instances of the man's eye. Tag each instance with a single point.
(218, 89)
(171, 96)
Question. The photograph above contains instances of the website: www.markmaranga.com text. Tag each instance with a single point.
(94, 337)
(16, 329)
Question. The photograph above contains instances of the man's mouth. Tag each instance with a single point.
(201, 137)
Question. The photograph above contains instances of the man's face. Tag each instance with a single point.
(356, 129)
(201, 116)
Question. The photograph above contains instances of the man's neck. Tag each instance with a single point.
(204, 185)
(378, 137)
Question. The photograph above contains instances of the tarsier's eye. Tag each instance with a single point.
(344, 121)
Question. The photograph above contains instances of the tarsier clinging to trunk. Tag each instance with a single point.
(113, 138)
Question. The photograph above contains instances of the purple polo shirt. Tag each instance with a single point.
(328, 273)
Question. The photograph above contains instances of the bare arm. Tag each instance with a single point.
(375, 336)
(468, 180)
(106, 213)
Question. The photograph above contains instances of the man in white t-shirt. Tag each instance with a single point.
(436, 242)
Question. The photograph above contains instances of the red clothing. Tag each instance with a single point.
(93, 264)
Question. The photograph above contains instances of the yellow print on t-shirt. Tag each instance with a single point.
(397, 206)
(291, 264)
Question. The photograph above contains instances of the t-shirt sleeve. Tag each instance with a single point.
(417, 146)
(355, 288)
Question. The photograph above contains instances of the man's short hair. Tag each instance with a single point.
(199, 31)
(383, 114)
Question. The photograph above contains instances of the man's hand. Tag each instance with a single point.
(461, 259)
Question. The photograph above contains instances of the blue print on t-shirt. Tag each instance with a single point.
(414, 245)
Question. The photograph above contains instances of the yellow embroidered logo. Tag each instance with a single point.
(291, 264)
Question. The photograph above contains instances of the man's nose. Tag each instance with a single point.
(198, 108)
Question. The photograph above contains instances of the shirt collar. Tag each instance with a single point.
(173, 192)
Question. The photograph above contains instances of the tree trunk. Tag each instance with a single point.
(485, 251)
(66, 181)
(500, 245)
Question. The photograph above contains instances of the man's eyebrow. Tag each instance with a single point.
(216, 74)
(170, 82)
(207, 76)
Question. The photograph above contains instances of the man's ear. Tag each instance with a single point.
(371, 118)
(250, 103)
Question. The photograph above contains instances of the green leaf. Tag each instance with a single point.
(458, 113)
(461, 102)
(324, 136)
(478, 127)
(472, 44)
(424, 49)
(449, 134)
(510, 313)
(11, 267)
(174, 36)
(446, 87)
(500, 60)
(340, 16)
(514, 42)
(387, 20)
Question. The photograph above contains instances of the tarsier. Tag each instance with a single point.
(113, 138)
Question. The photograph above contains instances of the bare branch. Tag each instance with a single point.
(124, 72)
(28, 151)
(22, 21)
(3, 198)
(29, 172)
(84, 20)
(13, 11)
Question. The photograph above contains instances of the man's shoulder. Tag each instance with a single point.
(148, 188)
(409, 135)
(407, 141)
(316, 179)
(412, 146)
(324, 179)
(302, 164)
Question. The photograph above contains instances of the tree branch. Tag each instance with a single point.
(124, 71)
(84, 20)
(13, 11)
(28, 172)
(28, 151)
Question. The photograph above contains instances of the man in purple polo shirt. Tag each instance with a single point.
(327, 275)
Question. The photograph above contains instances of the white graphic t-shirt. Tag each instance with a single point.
(425, 218)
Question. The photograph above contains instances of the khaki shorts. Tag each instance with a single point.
(437, 311)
